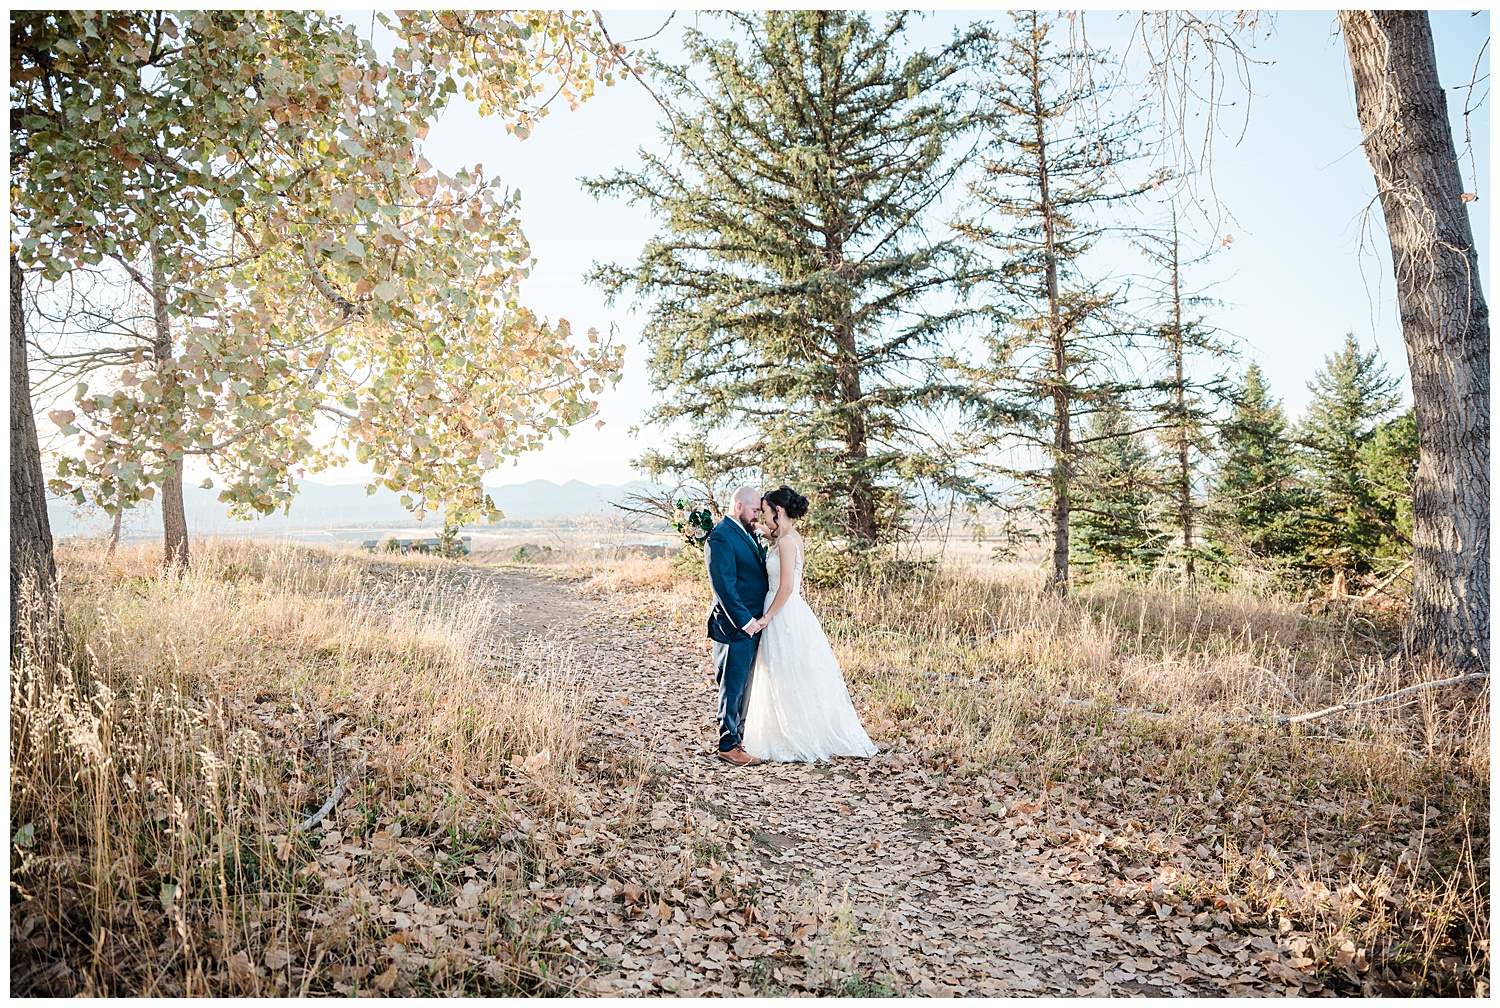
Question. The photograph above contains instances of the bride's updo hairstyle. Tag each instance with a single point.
(789, 500)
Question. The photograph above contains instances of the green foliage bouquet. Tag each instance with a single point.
(693, 525)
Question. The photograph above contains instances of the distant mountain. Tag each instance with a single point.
(543, 499)
(319, 505)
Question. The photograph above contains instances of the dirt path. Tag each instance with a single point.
(866, 874)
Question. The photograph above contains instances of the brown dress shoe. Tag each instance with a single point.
(739, 757)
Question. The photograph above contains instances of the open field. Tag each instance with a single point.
(500, 774)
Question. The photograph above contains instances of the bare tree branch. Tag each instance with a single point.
(1419, 687)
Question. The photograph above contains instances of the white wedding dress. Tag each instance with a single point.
(799, 709)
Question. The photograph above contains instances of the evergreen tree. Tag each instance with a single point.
(1049, 164)
(1183, 335)
(1257, 502)
(1352, 394)
(791, 285)
(1118, 510)
(1390, 463)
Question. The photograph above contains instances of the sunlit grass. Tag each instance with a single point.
(160, 776)
(162, 769)
(1149, 713)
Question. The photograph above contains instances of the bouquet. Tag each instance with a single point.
(693, 526)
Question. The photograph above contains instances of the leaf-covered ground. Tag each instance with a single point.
(856, 877)
(295, 771)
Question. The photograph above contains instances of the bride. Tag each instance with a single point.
(799, 709)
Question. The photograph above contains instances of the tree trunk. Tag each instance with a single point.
(33, 571)
(861, 507)
(173, 515)
(861, 494)
(1179, 395)
(114, 528)
(1062, 419)
(1445, 321)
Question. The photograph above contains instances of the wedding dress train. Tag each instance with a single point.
(799, 709)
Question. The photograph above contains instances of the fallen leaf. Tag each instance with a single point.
(387, 980)
(242, 973)
(537, 761)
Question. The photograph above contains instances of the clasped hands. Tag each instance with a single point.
(756, 625)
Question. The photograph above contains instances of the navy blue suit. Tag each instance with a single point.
(737, 571)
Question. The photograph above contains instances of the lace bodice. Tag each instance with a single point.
(792, 547)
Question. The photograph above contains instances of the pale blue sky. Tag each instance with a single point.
(1293, 282)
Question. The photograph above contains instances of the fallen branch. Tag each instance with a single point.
(1340, 708)
(1278, 680)
(1009, 629)
(1254, 719)
(1381, 585)
(1337, 592)
(333, 799)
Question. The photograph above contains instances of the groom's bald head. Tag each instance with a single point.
(744, 503)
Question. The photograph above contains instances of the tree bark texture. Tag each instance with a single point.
(1062, 419)
(115, 526)
(32, 567)
(1445, 321)
(851, 395)
(173, 515)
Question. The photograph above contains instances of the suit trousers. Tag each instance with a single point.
(732, 665)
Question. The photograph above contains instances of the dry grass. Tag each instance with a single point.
(159, 777)
(160, 771)
(1143, 719)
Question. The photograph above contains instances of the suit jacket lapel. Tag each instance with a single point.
(754, 545)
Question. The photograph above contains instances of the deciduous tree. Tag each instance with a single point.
(1444, 318)
(257, 175)
(1408, 140)
(32, 568)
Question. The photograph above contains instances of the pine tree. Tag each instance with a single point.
(1257, 501)
(1389, 459)
(1118, 510)
(1048, 165)
(1183, 335)
(790, 285)
(1352, 394)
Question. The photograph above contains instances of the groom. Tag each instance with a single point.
(737, 571)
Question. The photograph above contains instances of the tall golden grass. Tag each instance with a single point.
(162, 768)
